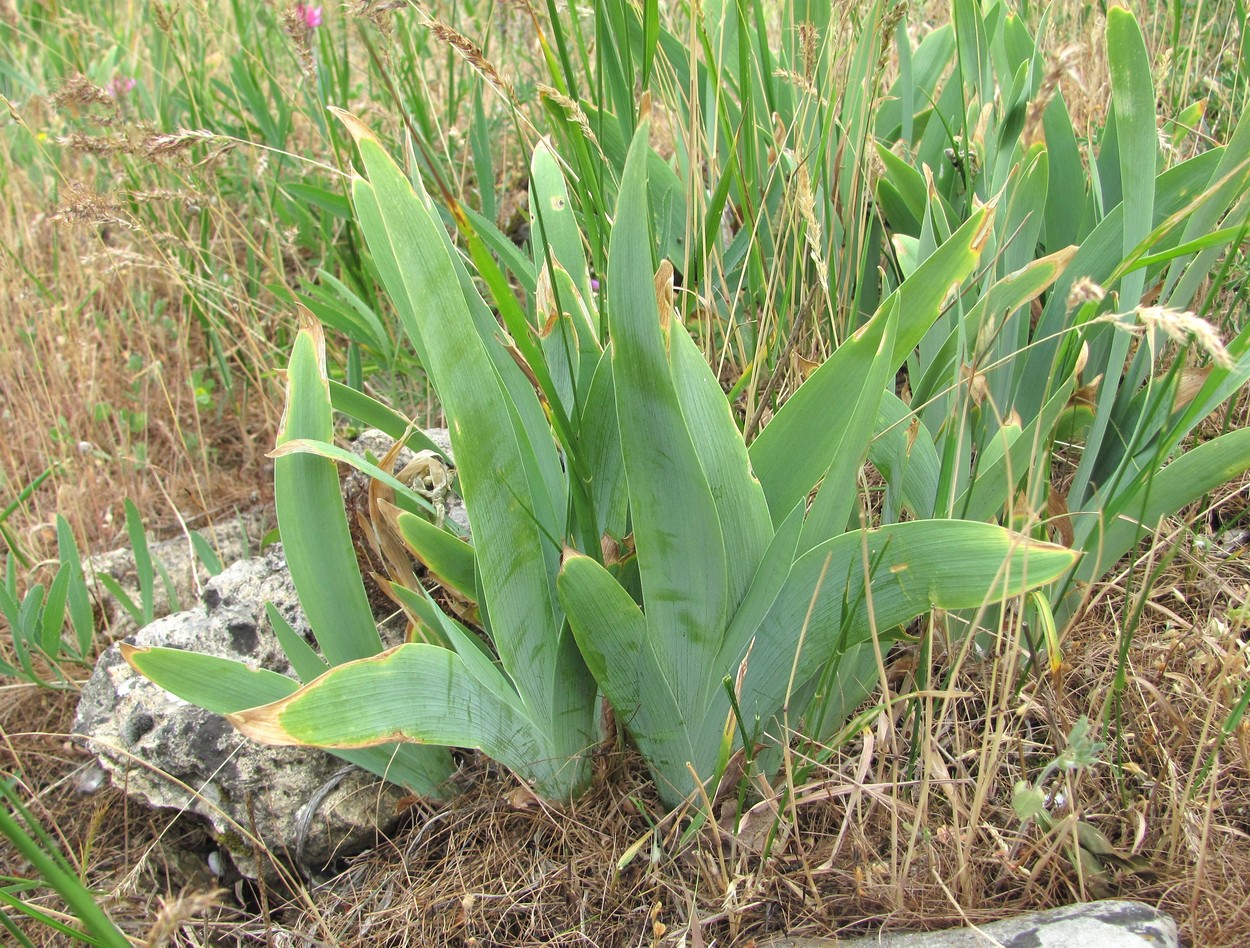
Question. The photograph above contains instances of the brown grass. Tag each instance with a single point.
(887, 832)
(100, 345)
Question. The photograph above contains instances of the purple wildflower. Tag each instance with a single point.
(309, 14)
(120, 85)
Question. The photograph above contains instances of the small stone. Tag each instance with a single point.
(188, 577)
(1107, 924)
(90, 779)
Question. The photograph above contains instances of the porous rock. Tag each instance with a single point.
(1107, 924)
(301, 802)
(231, 538)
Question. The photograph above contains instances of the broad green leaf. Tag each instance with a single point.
(377, 332)
(509, 477)
(1228, 183)
(579, 321)
(911, 568)
(28, 616)
(449, 559)
(768, 584)
(53, 618)
(508, 252)
(553, 226)
(421, 693)
(827, 435)
(215, 684)
(483, 164)
(304, 659)
(836, 499)
(331, 201)
(1180, 483)
(741, 507)
(909, 198)
(564, 333)
(369, 411)
(681, 551)
(1133, 98)
(226, 687)
(902, 450)
(1100, 253)
(984, 324)
(315, 536)
(410, 214)
(490, 459)
(1019, 221)
(667, 198)
(430, 272)
(601, 450)
(80, 613)
(930, 62)
(1065, 194)
(143, 562)
(612, 634)
(13, 613)
(205, 553)
(1008, 458)
(923, 294)
(476, 653)
(369, 214)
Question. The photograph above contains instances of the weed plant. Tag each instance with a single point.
(174, 186)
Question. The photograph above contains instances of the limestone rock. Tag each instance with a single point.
(303, 803)
(231, 539)
(1108, 924)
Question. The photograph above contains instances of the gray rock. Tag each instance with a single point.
(299, 801)
(232, 539)
(1109, 924)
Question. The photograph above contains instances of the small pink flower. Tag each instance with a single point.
(119, 85)
(309, 14)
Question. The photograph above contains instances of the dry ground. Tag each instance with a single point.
(888, 831)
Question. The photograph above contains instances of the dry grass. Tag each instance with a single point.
(100, 347)
(887, 832)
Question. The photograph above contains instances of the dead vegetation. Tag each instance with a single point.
(909, 825)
